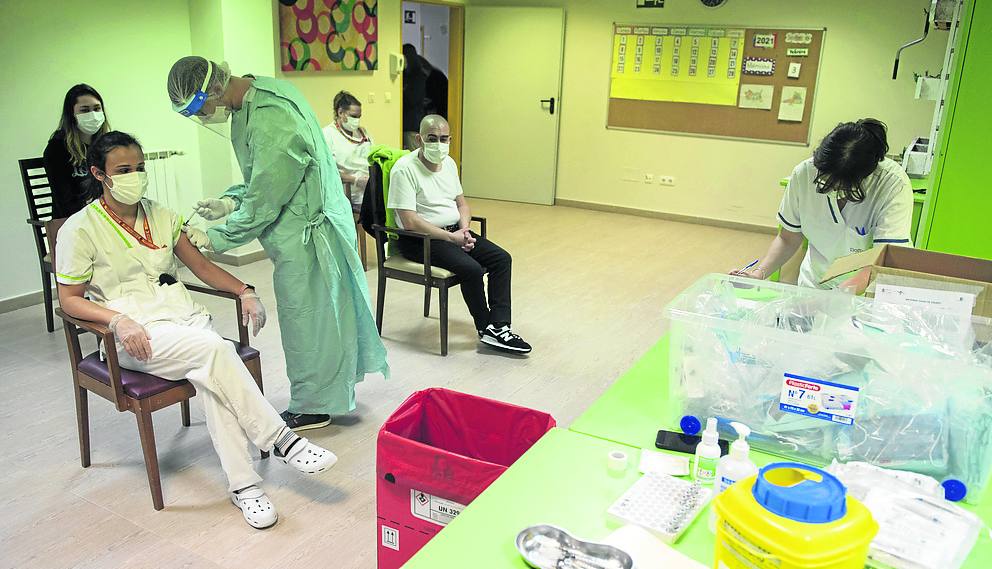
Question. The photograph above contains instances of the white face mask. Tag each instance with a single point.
(436, 152)
(350, 124)
(90, 122)
(128, 188)
(220, 115)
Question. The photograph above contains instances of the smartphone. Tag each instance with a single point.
(681, 442)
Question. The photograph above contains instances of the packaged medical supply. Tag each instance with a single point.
(918, 528)
(663, 463)
(737, 465)
(662, 504)
(791, 516)
(707, 454)
(822, 375)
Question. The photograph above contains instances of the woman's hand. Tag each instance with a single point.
(252, 311)
(133, 336)
(752, 273)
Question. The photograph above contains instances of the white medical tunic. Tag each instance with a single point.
(885, 216)
(119, 272)
(350, 156)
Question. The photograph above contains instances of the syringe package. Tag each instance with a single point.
(822, 375)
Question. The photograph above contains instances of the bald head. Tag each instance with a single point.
(434, 124)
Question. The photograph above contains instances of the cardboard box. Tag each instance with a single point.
(944, 271)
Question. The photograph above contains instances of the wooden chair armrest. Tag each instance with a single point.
(379, 229)
(93, 327)
(36, 222)
(482, 224)
(209, 291)
(110, 347)
(243, 337)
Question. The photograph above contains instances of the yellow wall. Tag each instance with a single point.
(724, 179)
(125, 54)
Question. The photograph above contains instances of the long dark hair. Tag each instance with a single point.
(97, 153)
(69, 131)
(343, 100)
(848, 155)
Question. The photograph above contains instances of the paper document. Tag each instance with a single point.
(662, 463)
(793, 104)
(951, 302)
(756, 96)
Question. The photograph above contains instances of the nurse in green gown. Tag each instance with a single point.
(293, 202)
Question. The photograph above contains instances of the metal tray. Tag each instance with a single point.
(549, 547)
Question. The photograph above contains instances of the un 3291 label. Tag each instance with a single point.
(433, 509)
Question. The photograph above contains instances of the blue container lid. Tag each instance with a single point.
(690, 425)
(954, 490)
(800, 493)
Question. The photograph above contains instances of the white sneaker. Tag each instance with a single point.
(307, 457)
(256, 507)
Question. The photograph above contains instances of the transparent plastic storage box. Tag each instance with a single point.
(822, 375)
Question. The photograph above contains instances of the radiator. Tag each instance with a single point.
(163, 181)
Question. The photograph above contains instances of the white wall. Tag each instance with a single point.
(430, 34)
(124, 53)
(727, 179)
(437, 42)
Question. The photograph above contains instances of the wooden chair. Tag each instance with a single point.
(137, 392)
(397, 267)
(38, 193)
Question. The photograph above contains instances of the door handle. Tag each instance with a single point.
(550, 102)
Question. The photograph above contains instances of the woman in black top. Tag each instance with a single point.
(65, 156)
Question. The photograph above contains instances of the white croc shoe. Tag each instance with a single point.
(308, 458)
(256, 507)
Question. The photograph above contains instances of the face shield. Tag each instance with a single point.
(203, 105)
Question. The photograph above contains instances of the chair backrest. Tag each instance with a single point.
(38, 193)
(52, 228)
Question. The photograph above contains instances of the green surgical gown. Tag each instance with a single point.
(293, 202)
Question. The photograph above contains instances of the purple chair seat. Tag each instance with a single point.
(140, 385)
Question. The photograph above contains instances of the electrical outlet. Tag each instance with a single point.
(648, 178)
(388, 96)
(666, 180)
(371, 96)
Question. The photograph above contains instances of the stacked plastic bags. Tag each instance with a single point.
(823, 375)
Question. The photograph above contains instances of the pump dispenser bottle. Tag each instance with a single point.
(737, 464)
(707, 454)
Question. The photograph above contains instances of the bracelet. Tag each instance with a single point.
(115, 321)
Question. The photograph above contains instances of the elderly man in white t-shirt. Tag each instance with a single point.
(426, 194)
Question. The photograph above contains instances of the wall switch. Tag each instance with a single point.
(666, 180)
(388, 96)
(648, 178)
(371, 96)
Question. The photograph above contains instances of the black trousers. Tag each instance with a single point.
(469, 266)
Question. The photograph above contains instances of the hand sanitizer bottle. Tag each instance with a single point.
(707, 454)
(737, 464)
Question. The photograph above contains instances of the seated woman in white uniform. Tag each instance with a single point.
(121, 251)
(846, 199)
(350, 144)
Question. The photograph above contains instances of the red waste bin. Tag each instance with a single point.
(436, 453)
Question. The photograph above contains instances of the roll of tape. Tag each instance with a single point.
(616, 461)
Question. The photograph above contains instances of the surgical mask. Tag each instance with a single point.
(128, 188)
(351, 124)
(220, 115)
(435, 152)
(90, 122)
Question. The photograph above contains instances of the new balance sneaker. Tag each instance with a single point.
(505, 340)
(303, 422)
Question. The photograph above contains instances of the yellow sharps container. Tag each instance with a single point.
(791, 516)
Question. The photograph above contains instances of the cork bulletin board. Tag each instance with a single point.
(725, 81)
